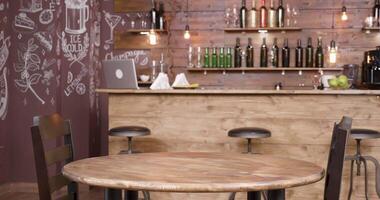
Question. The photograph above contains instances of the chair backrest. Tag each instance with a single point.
(336, 159)
(52, 128)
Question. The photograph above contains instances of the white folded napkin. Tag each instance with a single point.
(181, 81)
(161, 82)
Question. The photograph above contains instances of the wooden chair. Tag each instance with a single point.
(52, 128)
(336, 159)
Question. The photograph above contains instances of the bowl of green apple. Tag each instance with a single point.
(339, 83)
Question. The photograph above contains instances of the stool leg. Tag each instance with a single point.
(365, 178)
(358, 155)
(232, 196)
(254, 196)
(351, 179)
(129, 145)
(146, 195)
(249, 146)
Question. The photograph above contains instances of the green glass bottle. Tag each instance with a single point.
(228, 62)
(221, 63)
(214, 58)
(206, 63)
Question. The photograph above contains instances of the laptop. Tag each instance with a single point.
(120, 74)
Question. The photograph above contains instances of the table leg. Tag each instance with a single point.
(276, 195)
(130, 195)
(254, 196)
(112, 194)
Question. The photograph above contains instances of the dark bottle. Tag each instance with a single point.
(319, 57)
(243, 15)
(160, 17)
(250, 54)
(280, 15)
(214, 58)
(299, 54)
(264, 54)
(229, 58)
(237, 53)
(274, 53)
(309, 53)
(263, 15)
(376, 11)
(286, 54)
(221, 62)
(153, 16)
(206, 60)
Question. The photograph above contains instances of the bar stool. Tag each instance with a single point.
(249, 133)
(130, 132)
(358, 158)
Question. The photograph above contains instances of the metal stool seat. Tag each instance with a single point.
(249, 133)
(358, 158)
(130, 132)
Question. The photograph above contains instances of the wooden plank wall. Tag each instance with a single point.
(301, 128)
(207, 23)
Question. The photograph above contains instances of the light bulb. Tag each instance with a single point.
(344, 14)
(187, 35)
(152, 37)
(333, 51)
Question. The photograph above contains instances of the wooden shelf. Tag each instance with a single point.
(371, 29)
(257, 69)
(145, 31)
(242, 30)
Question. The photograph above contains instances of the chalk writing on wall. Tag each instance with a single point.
(4, 54)
(140, 57)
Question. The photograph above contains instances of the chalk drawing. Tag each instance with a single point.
(48, 73)
(76, 49)
(77, 15)
(23, 21)
(45, 40)
(4, 54)
(81, 89)
(72, 86)
(70, 77)
(112, 21)
(2, 7)
(141, 57)
(47, 15)
(31, 6)
(27, 66)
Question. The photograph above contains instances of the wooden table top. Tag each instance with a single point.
(193, 172)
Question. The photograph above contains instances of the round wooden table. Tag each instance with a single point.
(194, 173)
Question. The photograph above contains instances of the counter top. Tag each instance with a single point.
(240, 92)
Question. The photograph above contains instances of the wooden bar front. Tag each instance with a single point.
(301, 125)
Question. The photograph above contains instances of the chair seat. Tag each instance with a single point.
(362, 134)
(249, 133)
(129, 131)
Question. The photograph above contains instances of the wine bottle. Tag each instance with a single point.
(153, 15)
(286, 54)
(299, 54)
(206, 60)
(272, 15)
(376, 12)
(243, 15)
(214, 58)
(263, 15)
(252, 16)
(161, 19)
(237, 53)
(250, 53)
(229, 58)
(274, 54)
(264, 54)
(319, 57)
(221, 58)
(309, 53)
(280, 15)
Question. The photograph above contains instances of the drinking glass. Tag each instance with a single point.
(228, 17)
(288, 17)
(235, 16)
(295, 15)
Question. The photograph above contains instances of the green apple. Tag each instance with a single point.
(333, 83)
(343, 81)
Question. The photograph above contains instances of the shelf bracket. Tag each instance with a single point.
(205, 72)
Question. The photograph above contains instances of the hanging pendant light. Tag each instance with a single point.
(187, 34)
(152, 37)
(344, 14)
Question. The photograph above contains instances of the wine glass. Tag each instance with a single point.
(227, 17)
(295, 15)
(235, 16)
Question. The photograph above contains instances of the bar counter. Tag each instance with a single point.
(301, 122)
